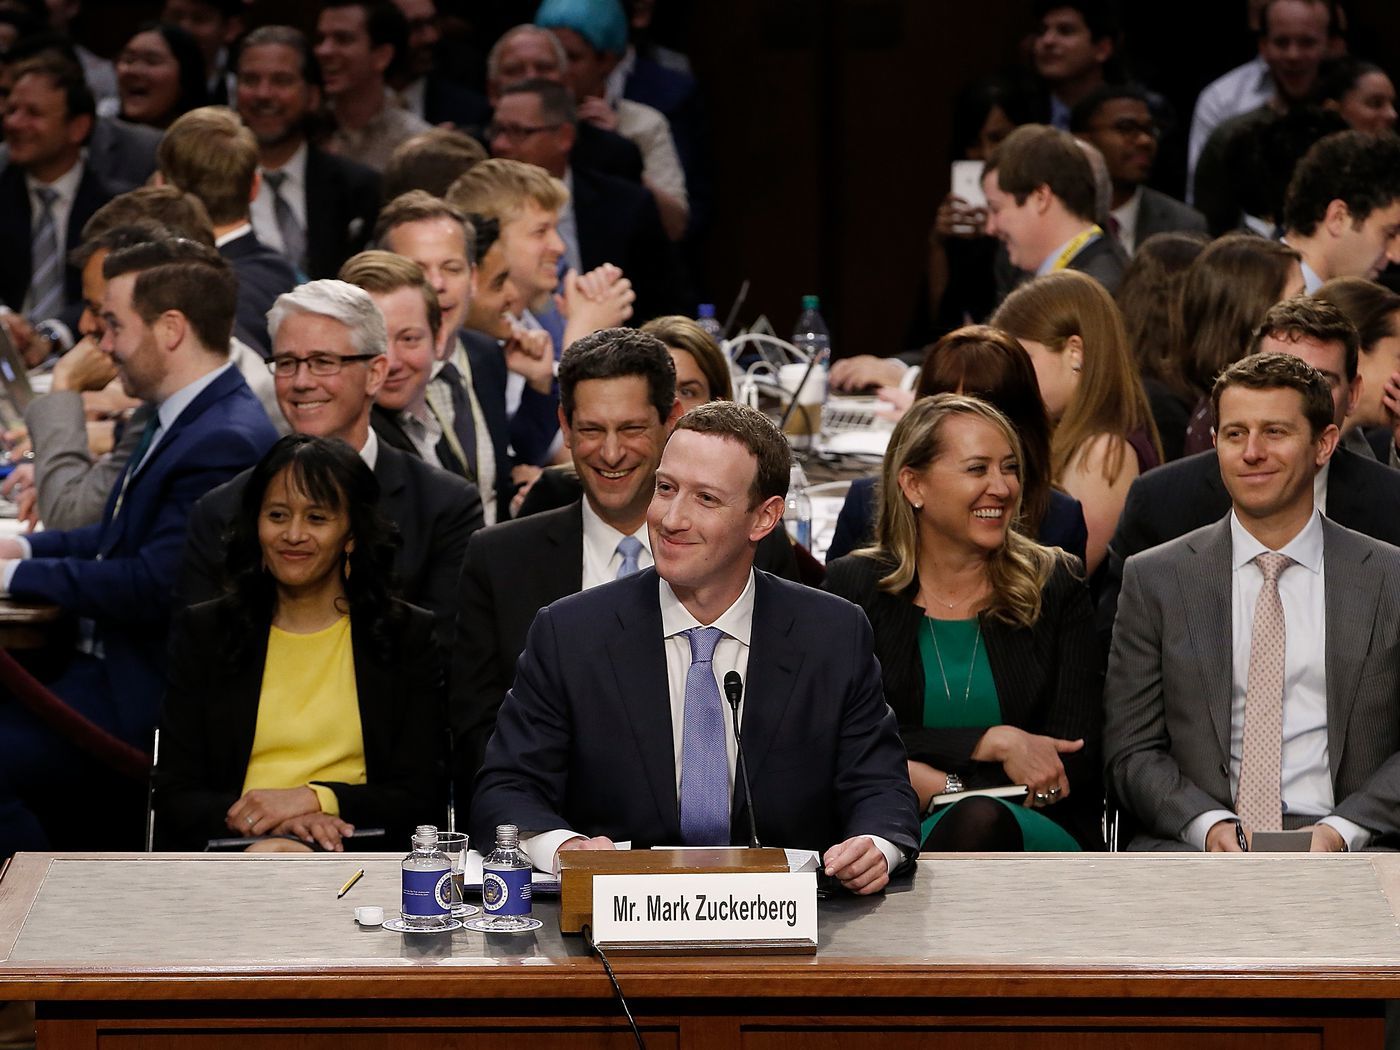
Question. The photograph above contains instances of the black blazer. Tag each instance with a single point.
(512, 571)
(341, 205)
(434, 512)
(584, 740)
(1188, 494)
(446, 101)
(1049, 680)
(263, 275)
(211, 711)
(1103, 259)
(618, 223)
(16, 267)
(606, 152)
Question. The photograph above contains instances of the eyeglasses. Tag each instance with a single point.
(286, 365)
(1132, 128)
(516, 132)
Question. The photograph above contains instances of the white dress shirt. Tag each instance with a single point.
(66, 188)
(648, 130)
(731, 654)
(600, 557)
(1306, 778)
(263, 211)
(1126, 216)
(1241, 90)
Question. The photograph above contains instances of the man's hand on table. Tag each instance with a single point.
(858, 865)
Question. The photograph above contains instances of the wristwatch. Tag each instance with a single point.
(953, 785)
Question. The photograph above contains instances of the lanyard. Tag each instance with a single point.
(1074, 247)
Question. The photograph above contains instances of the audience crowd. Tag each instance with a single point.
(376, 421)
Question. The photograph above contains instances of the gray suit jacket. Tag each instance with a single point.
(1159, 213)
(72, 486)
(1167, 695)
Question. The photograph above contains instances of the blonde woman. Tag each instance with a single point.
(985, 638)
(1104, 436)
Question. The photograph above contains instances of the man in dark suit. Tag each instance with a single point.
(1041, 203)
(335, 328)
(169, 311)
(606, 219)
(1253, 679)
(587, 748)
(1118, 122)
(209, 153)
(314, 208)
(617, 403)
(1352, 490)
(47, 193)
(423, 90)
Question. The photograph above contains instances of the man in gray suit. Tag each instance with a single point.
(1254, 680)
(1118, 122)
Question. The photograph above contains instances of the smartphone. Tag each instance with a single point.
(966, 182)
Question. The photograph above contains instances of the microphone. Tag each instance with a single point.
(734, 692)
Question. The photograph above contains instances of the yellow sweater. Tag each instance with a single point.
(308, 725)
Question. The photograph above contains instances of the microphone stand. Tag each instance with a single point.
(734, 692)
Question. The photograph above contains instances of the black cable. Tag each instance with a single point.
(617, 988)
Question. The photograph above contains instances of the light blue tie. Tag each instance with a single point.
(704, 759)
(630, 548)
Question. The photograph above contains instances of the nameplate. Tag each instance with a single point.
(739, 913)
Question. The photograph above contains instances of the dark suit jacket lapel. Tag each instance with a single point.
(774, 660)
(239, 716)
(1348, 499)
(1203, 583)
(638, 659)
(1352, 595)
(563, 565)
(324, 194)
(15, 269)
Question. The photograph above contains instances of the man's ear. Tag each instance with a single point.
(564, 428)
(768, 515)
(1041, 197)
(1337, 218)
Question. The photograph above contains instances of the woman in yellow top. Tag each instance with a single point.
(307, 701)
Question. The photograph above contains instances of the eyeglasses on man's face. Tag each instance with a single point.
(284, 366)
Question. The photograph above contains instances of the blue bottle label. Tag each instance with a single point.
(506, 891)
(427, 892)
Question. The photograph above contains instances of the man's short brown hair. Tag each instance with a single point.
(432, 161)
(1036, 155)
(208, 152)
(380, 273)
(757, 433)
(176, 273)
(1273, 371)
(1307, 317)
(175, 212)
(498, 189)
(420, 206)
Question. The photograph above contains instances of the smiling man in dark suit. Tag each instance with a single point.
(614, 728)
(1254, 681)
(167, 311)
(313, 207)
(47, 193)
(329, 361)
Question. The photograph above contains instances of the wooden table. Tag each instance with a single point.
(1287, 951)
(26, 625)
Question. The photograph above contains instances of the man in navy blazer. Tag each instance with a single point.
(168, 312)
(615, 728)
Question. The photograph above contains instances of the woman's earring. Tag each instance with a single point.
(918, 506)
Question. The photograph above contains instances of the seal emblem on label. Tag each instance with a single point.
(443, 890)
(494, 891)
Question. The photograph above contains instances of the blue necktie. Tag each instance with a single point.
(629, 547)
(704, 759)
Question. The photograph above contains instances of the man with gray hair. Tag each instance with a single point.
(328, 361)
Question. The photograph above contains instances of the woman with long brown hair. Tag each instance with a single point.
(1104, 435)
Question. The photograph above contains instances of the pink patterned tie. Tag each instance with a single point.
(1260, 802)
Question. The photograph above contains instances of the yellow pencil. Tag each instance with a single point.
(353, 879)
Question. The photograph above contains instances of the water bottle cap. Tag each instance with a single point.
(811, 302)
(425, 835)
(507, 835)
(707, 311)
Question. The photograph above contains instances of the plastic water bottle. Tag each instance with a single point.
(811, 335)
(505, 884)
(427, 883)
(797, 514)
(707, 321)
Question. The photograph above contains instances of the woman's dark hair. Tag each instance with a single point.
(985, 362)
(974, 104)
(194, 89)
(1150, 300)
(330, 472)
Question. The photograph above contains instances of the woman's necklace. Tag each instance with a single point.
(971, 666)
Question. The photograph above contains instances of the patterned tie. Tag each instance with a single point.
(1260, 803)
(293, 235)
(46, 286)
(630, 548)
(704, 759)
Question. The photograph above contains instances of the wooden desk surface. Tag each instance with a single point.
(196, 926)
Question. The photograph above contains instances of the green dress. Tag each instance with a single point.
(969, 701)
